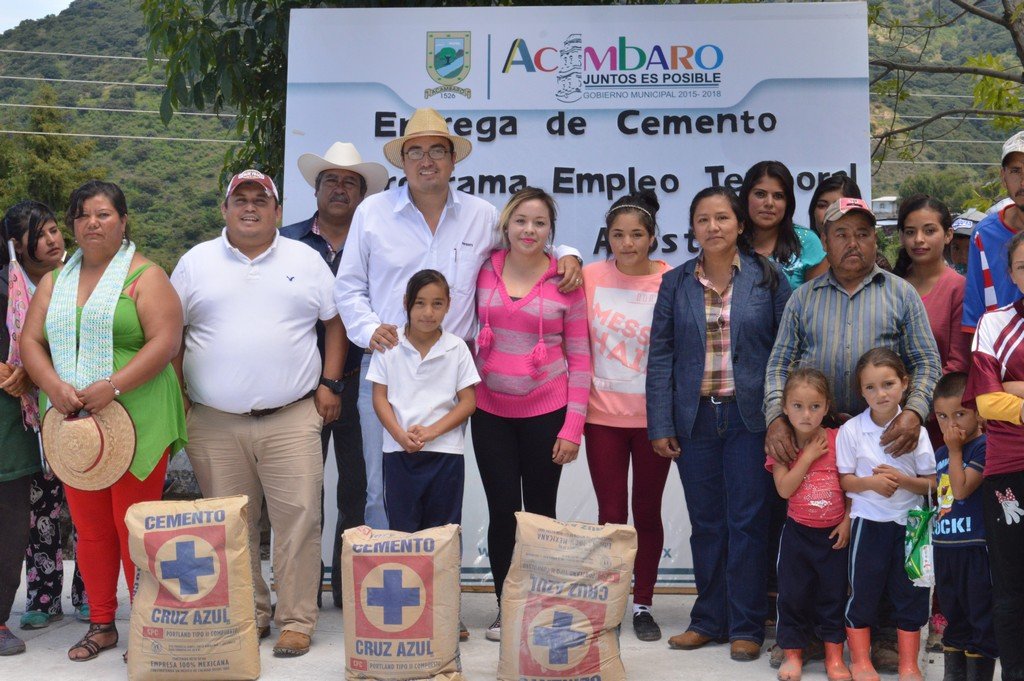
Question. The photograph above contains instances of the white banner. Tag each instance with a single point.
(589, 103)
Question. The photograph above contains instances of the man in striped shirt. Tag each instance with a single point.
(833, 319)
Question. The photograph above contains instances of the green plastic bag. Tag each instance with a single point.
(918, 543)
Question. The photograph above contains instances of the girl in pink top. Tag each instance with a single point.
(620, 295)
(533, 357)
(926, 228)
(813, 549)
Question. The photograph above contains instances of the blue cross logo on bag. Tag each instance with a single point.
(190, 566)
(393, 596)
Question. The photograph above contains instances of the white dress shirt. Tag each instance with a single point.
(389, 241)
(250, 325)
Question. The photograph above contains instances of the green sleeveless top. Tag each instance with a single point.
(155, 406)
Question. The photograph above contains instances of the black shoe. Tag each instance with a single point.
(644, 626)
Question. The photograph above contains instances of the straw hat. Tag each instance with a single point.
(426, 122)
(344, 156)
(89, 452)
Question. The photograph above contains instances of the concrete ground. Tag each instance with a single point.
(46, 658)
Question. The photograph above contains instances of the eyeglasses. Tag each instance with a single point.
(416, 154)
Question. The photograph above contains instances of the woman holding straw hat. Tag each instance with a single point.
(99, 338)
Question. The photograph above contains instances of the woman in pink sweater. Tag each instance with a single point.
(620, 306)
(533, 357)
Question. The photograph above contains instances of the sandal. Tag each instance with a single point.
(89, 644)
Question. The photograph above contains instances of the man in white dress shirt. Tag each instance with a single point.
(256, 394)
(423, 224)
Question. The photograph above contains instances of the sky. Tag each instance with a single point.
(13, 12)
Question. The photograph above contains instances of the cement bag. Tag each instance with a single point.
(562, 600)
(401, 600)
(194, 614)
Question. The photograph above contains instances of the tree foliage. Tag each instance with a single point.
(919, 44)
(44, 167)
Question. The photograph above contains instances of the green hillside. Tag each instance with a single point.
(172, 184)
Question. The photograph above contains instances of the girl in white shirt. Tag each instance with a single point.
(423, 393)
(882, 488)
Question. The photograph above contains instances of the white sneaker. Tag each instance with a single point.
(494, 631)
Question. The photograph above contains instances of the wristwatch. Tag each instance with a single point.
(334, 386)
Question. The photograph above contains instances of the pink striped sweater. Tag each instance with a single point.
(533, 354)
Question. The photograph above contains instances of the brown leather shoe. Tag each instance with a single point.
(263, 632)
(691, 640)
(291, 644)
(744, 651)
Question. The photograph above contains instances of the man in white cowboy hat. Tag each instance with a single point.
(340, 180)
(259, 392)
(421, 223)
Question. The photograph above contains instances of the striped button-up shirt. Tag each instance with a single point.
(718, 377)
(828, 328)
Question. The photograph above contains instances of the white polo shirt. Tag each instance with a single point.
(250, 325)
(422, 390)
(859, 450)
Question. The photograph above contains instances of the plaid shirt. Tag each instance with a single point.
(718, 377)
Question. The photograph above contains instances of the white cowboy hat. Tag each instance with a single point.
(89, 452)
(426, 122)
(344, 156)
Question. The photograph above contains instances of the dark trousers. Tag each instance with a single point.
(14, 509)
(876, 568)
(610, 451)
(351, 492)
(964, 586)
(812, 586)
(727, 491)
(423, 489)
(1003, 501)
(514, 458)
(44, 560)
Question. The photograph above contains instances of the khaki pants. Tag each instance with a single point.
(279, 457)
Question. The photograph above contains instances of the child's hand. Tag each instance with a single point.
(410, 443)
(422, 434)
(841, 533)
(954, 436)
(817, 447)
(883, 482)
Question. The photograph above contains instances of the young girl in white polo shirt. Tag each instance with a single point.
(423, 393)
(882, 489)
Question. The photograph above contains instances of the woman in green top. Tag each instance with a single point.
(767, 195)
(107, 327)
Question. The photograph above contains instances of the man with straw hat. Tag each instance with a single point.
(340, 180)
(259, 392)
(422, 223)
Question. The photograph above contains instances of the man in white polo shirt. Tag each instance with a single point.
(252, 371)
(422, 224)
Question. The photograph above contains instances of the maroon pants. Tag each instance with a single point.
(609, 452)
(103, 536)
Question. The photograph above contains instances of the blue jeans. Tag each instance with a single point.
(373, 451)
(727, 490)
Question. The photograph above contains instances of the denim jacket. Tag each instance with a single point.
(678, 336)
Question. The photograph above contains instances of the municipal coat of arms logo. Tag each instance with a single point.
(448, 62)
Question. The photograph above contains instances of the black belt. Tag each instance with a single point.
(716, 399)
(267, 412)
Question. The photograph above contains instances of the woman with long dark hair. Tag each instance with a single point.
(768, 198)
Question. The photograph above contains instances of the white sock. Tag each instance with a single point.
(637, 609)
